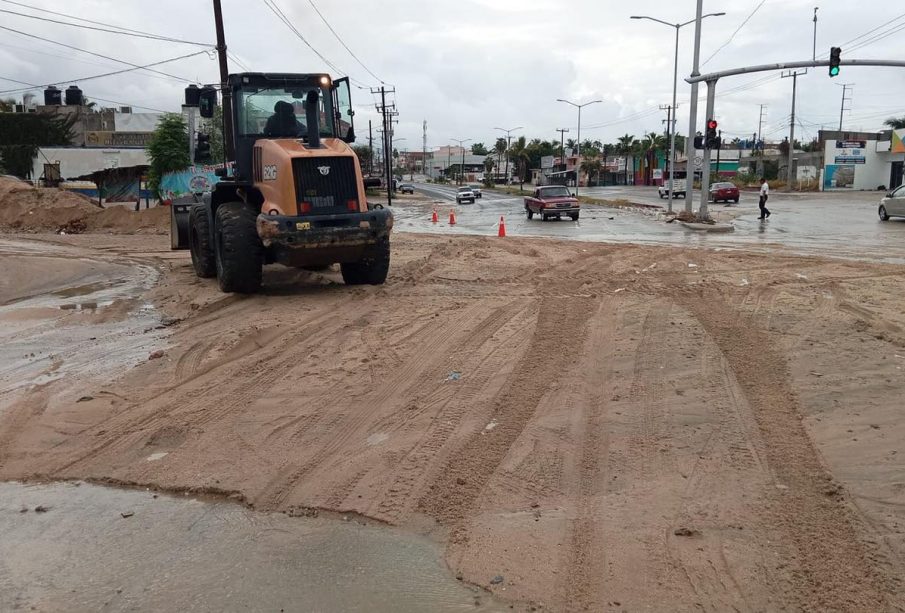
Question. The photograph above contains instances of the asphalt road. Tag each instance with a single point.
(834, 224)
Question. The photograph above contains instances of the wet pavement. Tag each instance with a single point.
(82, 547)
(66, 313)
(828, 224)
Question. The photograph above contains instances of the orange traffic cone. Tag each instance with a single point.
(434, 217)
(452, 217)
(502, 232)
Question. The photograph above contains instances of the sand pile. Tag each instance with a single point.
(24, 208)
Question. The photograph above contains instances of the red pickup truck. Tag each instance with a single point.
(552, 201)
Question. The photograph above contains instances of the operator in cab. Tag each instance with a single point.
(283, 123)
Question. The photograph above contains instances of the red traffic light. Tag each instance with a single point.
(712, 124)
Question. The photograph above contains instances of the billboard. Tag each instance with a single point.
(97, 138)
(546, 162)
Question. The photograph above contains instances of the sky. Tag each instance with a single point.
(474, 65)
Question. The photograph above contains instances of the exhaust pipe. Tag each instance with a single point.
(312, 117)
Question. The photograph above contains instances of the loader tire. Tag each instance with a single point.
(371, 269)
(204, 260)
(240, 254)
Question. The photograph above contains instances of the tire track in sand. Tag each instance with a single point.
(832, 570)
(560, 331)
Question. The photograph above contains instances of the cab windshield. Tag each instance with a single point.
(279, 112)
(555, 192)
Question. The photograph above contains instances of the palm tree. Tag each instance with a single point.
(500, 148)
(896, 123)
(519, 155)
(570, 144)
(591, 168)
(608, 150)
(624, 148)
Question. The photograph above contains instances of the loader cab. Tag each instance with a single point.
(304, 107)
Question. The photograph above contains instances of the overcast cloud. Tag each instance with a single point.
(471, 65)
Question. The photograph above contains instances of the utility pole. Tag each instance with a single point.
(668, 109)
(371, 148)
(846, 87)
(229, 146)
(387, 113)
(794, 74)
(758, 139)
(693, 103)
(562, 146)
(424, 149)
(462, 142)
(815, 32)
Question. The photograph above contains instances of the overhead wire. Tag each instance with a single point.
(737, 30)
(119, 103)
(118, 31)
(275, 9)
(100, 55)
(342, 42)
(108, 74)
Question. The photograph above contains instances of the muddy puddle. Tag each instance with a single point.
(62, 312)
(83, 547)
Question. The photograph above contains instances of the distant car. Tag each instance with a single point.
(476, 190)
(465, 195)
(407, 188)
(893, 204)
(724, 192)
(552, 201)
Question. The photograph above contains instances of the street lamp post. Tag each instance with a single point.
(675, 81)
(578, 140)
(508, 144)
(461, 142)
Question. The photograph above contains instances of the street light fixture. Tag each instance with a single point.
(675, 79)
(579, 107)
(462, 169)
(508, 143)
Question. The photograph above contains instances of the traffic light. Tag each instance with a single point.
(699, 141)
(712, 141)
(202, 148)
(835, 53)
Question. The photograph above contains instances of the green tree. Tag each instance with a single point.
(22, 134)
(168, 149)
(479, 149)
(518, 154)
(364, 157)
(624, 147)
(896, 123)
(500, 148)
(214, 128)
(7, 105)
(591, 168)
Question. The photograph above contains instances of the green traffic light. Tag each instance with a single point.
(834, 71)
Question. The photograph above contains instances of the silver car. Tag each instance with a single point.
(893, 205)
(476, 190)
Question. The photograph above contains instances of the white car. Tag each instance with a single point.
(476, 190)
(893, 204)
(465, 195)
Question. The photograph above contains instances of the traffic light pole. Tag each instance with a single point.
(705, 167)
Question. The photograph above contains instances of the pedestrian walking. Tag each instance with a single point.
(764, 194)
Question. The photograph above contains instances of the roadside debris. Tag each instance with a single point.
(127, 514)
(41, 509)
(155, 355)
(689, 532)
(454, 376)
(496, 580)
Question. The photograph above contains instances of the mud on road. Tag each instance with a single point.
(606, 427)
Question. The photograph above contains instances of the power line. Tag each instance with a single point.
(241, 64)
(883, 25)
(879, 37)
(345, 46)
(120, 31)
(271, 4)
(137, 106)
(108, 74)
(737, 30)
(100, 55)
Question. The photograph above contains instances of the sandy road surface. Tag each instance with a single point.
(608, 427)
